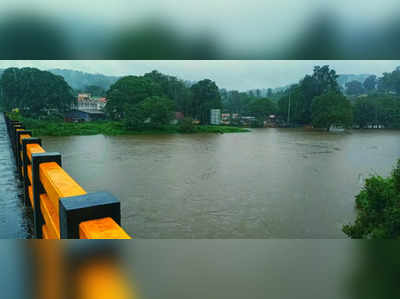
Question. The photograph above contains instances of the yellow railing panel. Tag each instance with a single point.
(29, 172)
(58, 183)
(30, 193)
(104, 228)
(33, 149)
(50, 216)
(23, 136)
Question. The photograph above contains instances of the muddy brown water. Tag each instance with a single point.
(270, 183)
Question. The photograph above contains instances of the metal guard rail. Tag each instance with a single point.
(62, 209)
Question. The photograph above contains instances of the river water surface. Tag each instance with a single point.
(270, 183)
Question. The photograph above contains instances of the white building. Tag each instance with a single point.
(86, 103)
(215, 116)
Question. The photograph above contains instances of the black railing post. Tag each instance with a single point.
(13, 137)
(76, 209)
(25, 163)
(10, 123)
(19, 151)
(38, 189)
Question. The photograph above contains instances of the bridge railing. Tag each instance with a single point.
(62, 209)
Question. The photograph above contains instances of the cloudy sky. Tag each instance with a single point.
(230, 74)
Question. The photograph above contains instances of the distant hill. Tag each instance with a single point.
(344, 78)
(78, 79)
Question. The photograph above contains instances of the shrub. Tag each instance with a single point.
(186, 125)
(378, 208)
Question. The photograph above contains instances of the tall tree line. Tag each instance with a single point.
(296, 104)
(194, 100)
(34, 91)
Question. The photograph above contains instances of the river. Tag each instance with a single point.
(270, 183)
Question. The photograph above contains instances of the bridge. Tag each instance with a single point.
(15, 223)
(61, 208)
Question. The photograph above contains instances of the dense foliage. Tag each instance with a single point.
(186, 125)
(262, 108)
(155, 96)
(205, 97)
(295, 106)
(377, 110)
(127, 92)
(34, 91)
(175, 89)
(390, 82)
(234, 101)
(331, 108)
(354, 88)
(375, 101)
(378, 208)
(157, 111)
(370, 83)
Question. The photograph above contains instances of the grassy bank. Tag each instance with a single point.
(111, 128)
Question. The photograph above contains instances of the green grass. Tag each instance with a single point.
(220, 129)
(110, 128)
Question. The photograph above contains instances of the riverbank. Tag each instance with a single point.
(112, 128)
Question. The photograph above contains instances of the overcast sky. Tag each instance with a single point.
(230, 74)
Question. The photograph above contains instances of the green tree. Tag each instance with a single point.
(388, 111)
(331, 108)
(377, 109)
(390, 82)
(34, 91)
(186, 125)
(174, 89)
(300, 106)
(11, 83)
(129, 91)
(324, 80)
(378, 208)
(354, 88)
(261, 108)
(370, 83)
(365, 112)
(205, 97)
(302, 94)
(159, 110)
(134, 117)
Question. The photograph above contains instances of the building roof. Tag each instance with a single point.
(83, 96)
